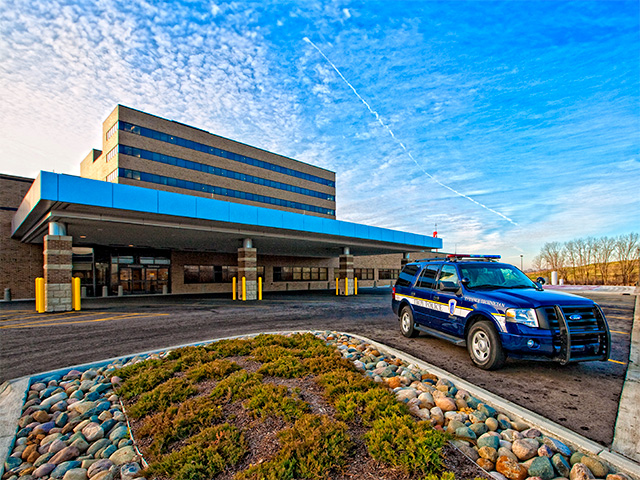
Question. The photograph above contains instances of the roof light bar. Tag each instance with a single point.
(460, 256)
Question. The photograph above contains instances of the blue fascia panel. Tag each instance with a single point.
(346, 229)
(312, 224)
(239, 213)
(362, 231)
(128, 197)
(84, 191)
(292, 221)
(177, 204)
(270, 218)
(399, 237)
(210, 209)
(48, 186)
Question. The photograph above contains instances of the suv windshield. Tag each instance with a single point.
(494, 276)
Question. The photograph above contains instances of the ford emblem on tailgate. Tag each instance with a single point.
(575, 317)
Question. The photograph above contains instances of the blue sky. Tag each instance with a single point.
(529, 108)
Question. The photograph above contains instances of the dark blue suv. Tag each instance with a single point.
(497, 311)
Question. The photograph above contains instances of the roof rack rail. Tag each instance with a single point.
(456, 257)
(440, 259)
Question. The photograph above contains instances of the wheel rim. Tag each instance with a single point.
(406, 322)
(480, 346)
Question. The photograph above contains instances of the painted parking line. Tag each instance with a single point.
(621, 333)
(72, 321)
(50, 316)
(616, 361)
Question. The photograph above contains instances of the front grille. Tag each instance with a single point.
(586, 330)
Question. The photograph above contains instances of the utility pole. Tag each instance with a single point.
(521, 263)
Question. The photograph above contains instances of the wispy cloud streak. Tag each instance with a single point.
(402, 145)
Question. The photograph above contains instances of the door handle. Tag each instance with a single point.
(413, 294)
(436, 297)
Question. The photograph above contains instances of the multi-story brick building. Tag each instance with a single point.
(165, 207)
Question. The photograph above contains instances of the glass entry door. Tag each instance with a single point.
(135, 279)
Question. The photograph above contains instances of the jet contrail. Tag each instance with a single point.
(386, 127)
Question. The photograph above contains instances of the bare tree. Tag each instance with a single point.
(582, 252)
(571, 254)
(603, 253)
(537, 264)
(627, 251)
(553, 255)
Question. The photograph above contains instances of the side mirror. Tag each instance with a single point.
(465, 281)
(540, 280)
(444, 288)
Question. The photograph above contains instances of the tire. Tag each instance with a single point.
(484, 346)
(406, 323)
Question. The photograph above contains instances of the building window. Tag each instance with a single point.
(221, 172)
(113, 176)
(364, 273)
(226, 192)
(112, 130)
(388, 273)
(213, 273)
(112, 153)
(200, 147)
(300, 274)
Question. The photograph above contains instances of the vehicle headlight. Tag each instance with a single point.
(525, 316)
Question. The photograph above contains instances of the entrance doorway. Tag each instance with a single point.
(143, 279)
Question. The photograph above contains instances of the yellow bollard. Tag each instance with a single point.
(337, 286)
(75, 293)
(355, 285)
(259, 288)
(40, 295)
(244, 289)
(235, 287)
(346, 287)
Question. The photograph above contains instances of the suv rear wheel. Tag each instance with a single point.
(406, 323)
(483, 344)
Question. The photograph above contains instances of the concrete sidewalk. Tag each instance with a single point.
(626, 439)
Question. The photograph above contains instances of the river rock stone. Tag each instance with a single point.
(532, 433)
(479, 428)
(44, 470)
(580, 472)
(545, 451)
(542, 467)
(393, 382)
(426, 400)
(469, 451)
(557, 446)
(454, 425)
(99, 466)
(56, 446)
(406, 394)
(446, 404)
(65, 455)
(485, 464)
(505, 452)
(487, 410)
(63, 468)
(92, 432)
(618, 476)
(488, 453)
(488, 440)
(465, 433)
(41, 416)
(561, 465)
(492, 424)
(129, 471)
(123, 455)
(525, 448)
(599, 469)
(511, 469)
(75, 474)
(576, 457)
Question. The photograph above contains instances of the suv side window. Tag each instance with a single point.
(428, 277)
(405, 279)
(448, 278)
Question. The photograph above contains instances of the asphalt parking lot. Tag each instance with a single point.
(583, 397)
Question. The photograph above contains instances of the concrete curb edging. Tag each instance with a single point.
(626, 438)
(13, 393)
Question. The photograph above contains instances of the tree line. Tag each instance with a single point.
(591, 260)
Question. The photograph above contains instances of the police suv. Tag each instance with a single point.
(496, 311)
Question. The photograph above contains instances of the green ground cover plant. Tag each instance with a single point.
(188, 402)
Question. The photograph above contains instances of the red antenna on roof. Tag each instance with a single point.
(435, 231)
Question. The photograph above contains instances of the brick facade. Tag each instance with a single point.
(20, 263)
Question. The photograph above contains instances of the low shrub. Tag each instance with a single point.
(231, 348)
(274, 400)
(236, 386)
(371, 405)
(163, 396)
(178, 423)
(204, 456)
(400, 441)
(338, 382)
(313, 448)
(213, 370)
(144, 376)
(284, 367)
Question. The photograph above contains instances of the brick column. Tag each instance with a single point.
(345, 270)
(247, 267)
(57, 273)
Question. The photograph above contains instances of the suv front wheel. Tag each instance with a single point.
(483, 344)
(406, 323)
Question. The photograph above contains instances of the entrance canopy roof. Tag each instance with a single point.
(111, 214)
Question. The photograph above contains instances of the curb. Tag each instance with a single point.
(13, 393)
(626, 437)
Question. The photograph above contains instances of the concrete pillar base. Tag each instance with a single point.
(57, 273)
(345, 270)
(248, 268)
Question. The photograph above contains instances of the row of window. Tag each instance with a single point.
(364, 273)
(111, 154)
(213, 273)
(112, 130)
(221, 172)
(225, 192)
(112, 176)
(293, 274)
(182, 142)
(388, 273)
